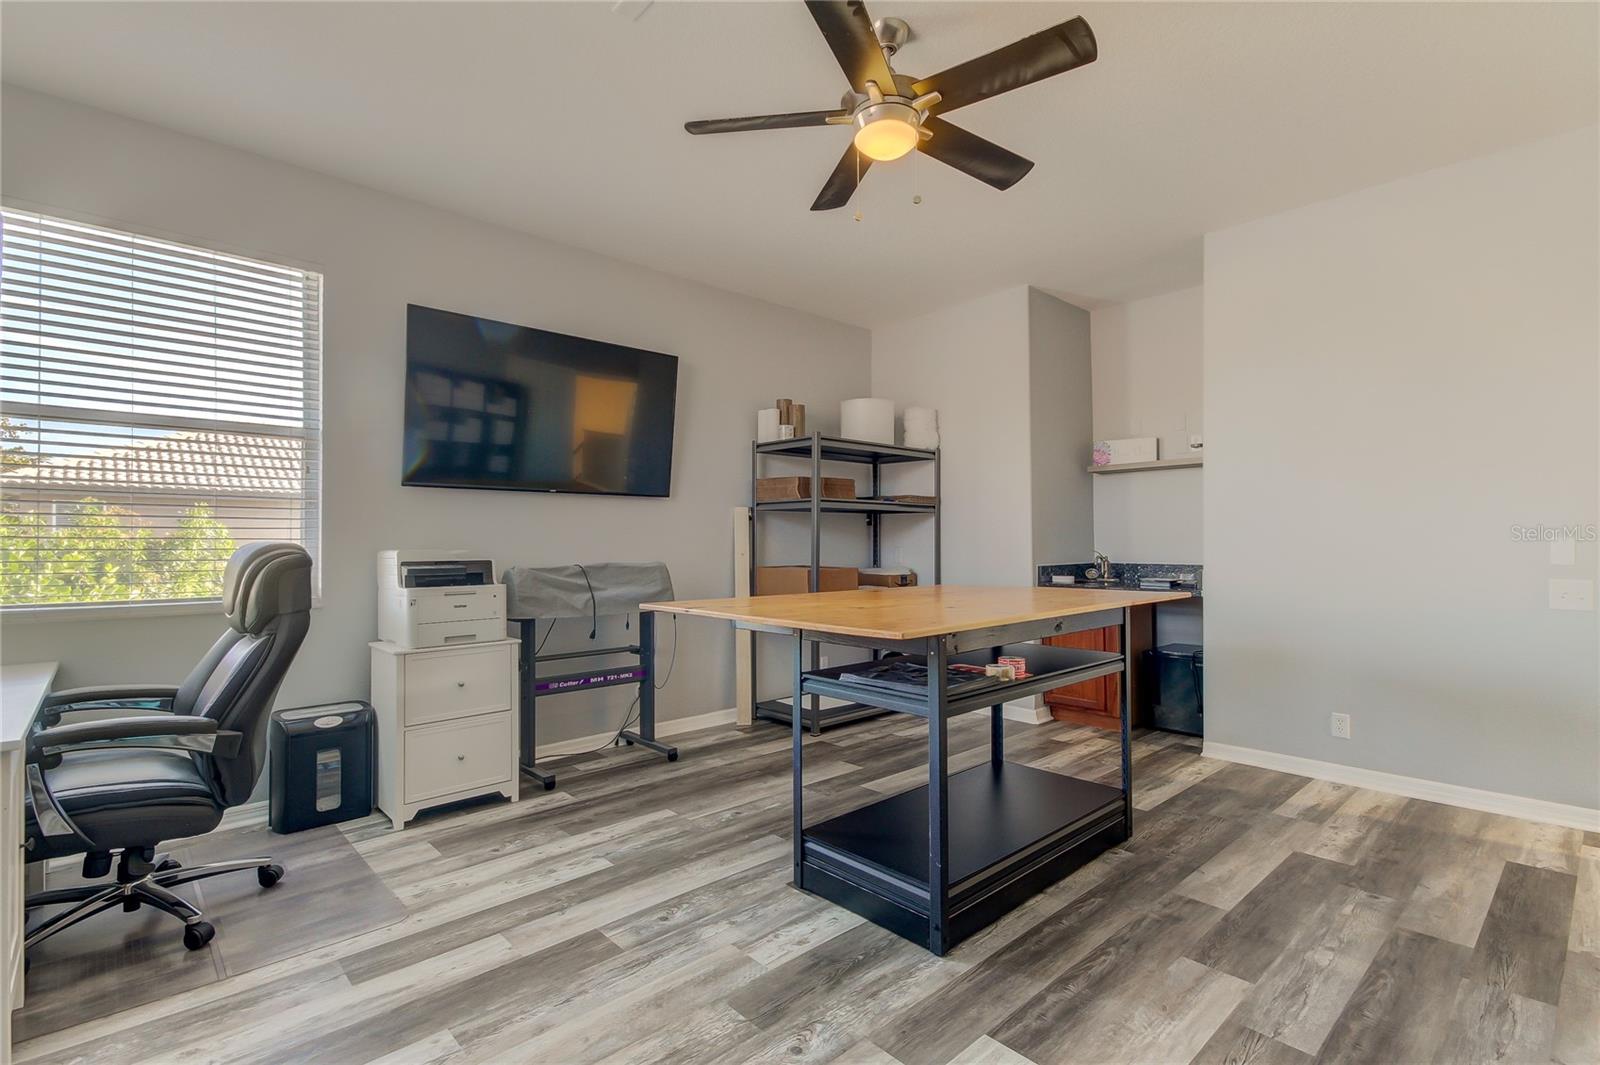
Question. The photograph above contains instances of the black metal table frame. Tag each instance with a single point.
(1023, 876)
(643, 674)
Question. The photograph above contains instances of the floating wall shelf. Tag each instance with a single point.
(1160, 464)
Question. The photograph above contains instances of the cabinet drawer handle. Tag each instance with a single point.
(461, 684)
(461, 758)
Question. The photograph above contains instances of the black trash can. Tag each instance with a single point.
(322, 765)
(1179, 673)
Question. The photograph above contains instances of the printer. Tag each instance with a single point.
(438, 598)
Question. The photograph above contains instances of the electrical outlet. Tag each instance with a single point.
(1339, 726)
(1570, 594)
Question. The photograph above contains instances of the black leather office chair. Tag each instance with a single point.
(117, 770)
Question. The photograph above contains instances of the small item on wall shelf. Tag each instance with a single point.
(1130, 449)
(926, 501)
(785, 432)
(921, 428)
(868, 419)
(790, 489)
(767, 425)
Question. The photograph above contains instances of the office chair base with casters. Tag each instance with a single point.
(143, 879)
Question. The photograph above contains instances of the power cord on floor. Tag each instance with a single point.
(628, 717)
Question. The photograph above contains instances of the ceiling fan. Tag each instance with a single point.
(892, 114)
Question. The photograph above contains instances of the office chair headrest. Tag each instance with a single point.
(264, 581)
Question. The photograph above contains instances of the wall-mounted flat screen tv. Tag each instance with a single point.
(492, 405)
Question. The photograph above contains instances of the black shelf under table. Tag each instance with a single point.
(1013, 830)
(939, 862)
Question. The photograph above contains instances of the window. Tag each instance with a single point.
(159, 405)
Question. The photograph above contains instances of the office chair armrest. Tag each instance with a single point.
(151, 731)
(71, 698)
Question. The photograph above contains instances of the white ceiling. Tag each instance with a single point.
(565, 121)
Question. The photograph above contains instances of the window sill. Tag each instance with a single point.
(13, 615)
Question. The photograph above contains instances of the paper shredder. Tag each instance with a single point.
(322, 765)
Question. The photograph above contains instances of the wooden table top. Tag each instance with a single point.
(912, 613)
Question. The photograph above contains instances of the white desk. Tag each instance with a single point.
(22, 689)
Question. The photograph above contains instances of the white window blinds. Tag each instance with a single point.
(159, 405)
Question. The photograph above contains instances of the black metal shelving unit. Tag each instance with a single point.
(937, 863)
(815, 450)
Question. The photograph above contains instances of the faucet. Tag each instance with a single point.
(1103, 564)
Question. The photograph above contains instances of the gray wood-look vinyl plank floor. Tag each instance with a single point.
(642, 913)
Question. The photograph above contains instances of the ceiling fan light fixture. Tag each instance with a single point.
(888, 130)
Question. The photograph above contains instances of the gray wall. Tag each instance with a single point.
(1393, 381)
(969, 361)
(378, 253)
(1060, 429)
(1009, 375)
(1147, 382)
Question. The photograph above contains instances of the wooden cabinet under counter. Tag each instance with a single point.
(1098, 702)
(447, 724)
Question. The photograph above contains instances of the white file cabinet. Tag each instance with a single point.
(447, 724)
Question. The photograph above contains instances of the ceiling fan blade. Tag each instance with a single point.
(792, 120)
(848, 30)
(1042, 55)
(971, 154)
(841, 184)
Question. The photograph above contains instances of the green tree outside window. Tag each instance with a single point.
(104, 556)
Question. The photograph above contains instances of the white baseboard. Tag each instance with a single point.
(670, 727)
(1030, 711)
(1494, 802)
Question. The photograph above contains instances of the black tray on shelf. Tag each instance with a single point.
(1048, 667)
(908, 673)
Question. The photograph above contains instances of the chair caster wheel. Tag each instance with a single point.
(197, 935)
(672, 756)
(627, 741)
(267, 875)
(167, 865)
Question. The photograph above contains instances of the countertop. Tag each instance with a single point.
(1127, 576)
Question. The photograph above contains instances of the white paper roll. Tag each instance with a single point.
(766, 425)
(867, 419)
(922, 427)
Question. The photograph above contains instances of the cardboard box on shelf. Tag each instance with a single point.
(789, 580)
(888, 578)
(788, 489)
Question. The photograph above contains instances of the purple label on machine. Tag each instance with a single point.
(586, 680)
